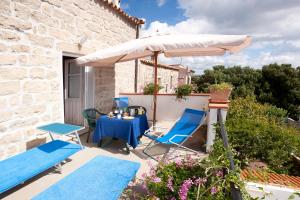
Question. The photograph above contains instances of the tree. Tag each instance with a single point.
(281, 87)
(275, 84)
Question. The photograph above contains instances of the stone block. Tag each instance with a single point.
(3, 103)
(27, 99)
(8, 35)
(22, 11)
(70, 8)
(42, 18)
(60, 34)
(34, 4)
(12, 149)
(42, 97)
(55, 85)
(5, 7)
(64, 16)
(41, 29)
(47, 9)
(37, 72)
(41, 41)
(83, 5)
(51, 74)
(3, 47)
(14, 23)
(14, 100)
(56, 3)
(29, 111)
(20, 48)
(35, 60)
(35, 86)
(5, 116)
(9, 87)
(8, 59)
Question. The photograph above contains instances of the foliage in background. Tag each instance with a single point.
(149, 88)
(276, 84)
(189, 178)
(258, 131)
(183, 90)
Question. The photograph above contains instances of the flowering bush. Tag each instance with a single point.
(190, 178)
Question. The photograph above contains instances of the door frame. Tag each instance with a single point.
(82, 87)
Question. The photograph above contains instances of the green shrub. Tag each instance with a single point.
(149, 88)
(258, 131)
(183, 90)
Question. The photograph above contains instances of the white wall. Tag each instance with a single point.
(270, 192)
(168, 107)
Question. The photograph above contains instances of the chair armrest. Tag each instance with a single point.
(151, 130)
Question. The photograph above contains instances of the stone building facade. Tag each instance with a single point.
(169, 76)
(35, 35)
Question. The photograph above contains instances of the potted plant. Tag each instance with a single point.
(220, 92)
(149, 89)
(183, 90)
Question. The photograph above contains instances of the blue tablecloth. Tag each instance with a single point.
(127, 130)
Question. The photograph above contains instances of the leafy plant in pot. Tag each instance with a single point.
(149, 89)
(220, 92)
(183, 90)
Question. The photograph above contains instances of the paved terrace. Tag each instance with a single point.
(114, 149)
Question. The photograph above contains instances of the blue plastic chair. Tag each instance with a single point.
(182, 130)
(121, 102)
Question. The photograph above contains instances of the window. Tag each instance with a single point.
(73, 81)
(171, 82)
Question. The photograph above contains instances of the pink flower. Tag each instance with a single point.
(144, 175)
(156, 180)
(184, 189)
(178, 162)
(170, 184)
(219, 173)
(213, 190)
(200, 181)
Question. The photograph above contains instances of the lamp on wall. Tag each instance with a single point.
(81, 41)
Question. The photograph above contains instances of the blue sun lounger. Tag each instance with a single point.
(102, 178)
(22, 167)
(182, 130)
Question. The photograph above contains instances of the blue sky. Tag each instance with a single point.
(151, 10)
(274, 26)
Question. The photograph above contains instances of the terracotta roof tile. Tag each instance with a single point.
(271, 178)
(131, 19)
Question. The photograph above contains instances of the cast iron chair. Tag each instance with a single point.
(91, 115)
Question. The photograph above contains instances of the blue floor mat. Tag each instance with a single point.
(102, 178)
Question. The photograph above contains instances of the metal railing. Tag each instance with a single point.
(236, 193)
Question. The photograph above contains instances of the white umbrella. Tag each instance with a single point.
(170, 45)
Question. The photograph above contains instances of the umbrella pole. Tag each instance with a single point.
(155, 87)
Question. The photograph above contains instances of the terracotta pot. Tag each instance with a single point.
(220, 95)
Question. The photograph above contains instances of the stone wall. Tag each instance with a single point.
(33, 36)
(146, 75)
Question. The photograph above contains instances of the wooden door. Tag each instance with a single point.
(73, 92)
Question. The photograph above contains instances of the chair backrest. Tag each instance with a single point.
(189, 121)
(121, 102)
(90, 115)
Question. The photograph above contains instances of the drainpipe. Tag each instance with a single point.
(136, 70)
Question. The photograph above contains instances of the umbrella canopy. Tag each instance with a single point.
(169, 45)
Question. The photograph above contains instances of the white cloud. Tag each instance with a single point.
(273, 24)
(160, 3)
